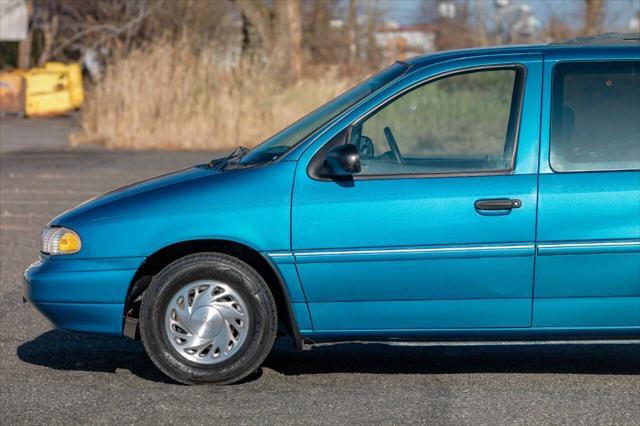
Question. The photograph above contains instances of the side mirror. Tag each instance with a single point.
(343, 160)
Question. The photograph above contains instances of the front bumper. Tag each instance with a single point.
(86, 295)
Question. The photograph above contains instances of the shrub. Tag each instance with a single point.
(166, 96)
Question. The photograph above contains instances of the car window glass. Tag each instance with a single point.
(595, 120)
(459, 123)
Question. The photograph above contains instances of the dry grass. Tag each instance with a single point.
(167, 97)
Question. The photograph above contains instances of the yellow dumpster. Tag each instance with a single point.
(12, 92)
(74, 74)
(53, 89)
(47, 93)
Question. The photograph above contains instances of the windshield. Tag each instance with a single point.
(285, 139)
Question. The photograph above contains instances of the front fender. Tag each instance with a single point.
(250, 206)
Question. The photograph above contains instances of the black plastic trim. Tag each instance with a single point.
(498, 204)
(495, 338)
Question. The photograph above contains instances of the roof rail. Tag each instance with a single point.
(601, 39)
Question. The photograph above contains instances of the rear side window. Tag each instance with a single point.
(595, 116)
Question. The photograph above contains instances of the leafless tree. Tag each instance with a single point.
(557, 29)
(481, 25)
(71, 29)
(593, 16)
(352, 31)
(323, 33)
(278, 26)
(451, 32)
(68, 28)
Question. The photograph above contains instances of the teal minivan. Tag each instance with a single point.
(484, 194)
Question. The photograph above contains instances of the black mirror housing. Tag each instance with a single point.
(343, 160)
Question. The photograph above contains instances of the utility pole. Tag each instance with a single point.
(24, 46)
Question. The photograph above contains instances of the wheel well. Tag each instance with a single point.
(163, 257)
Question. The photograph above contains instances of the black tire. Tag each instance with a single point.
(243, 279)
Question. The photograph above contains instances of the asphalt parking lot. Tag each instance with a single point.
(56, 377)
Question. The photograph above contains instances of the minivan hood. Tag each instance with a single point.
(172, 179)
(198, 203)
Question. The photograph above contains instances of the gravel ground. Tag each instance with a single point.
(56, 377)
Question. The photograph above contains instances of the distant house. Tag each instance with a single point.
(403, 41)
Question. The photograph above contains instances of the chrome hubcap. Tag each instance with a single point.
(207, 322)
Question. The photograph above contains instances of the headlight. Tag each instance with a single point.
(57, 240)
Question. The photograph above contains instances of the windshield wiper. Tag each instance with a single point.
(236, 155)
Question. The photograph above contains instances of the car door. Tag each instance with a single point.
(588, 265)
(412, 243)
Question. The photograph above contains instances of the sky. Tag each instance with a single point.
(618, 11)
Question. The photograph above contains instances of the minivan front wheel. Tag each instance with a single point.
(208, 318)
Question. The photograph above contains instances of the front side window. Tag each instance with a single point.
(595, 116)
(457, 124)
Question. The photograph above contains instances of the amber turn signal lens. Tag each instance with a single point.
(69, 242)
